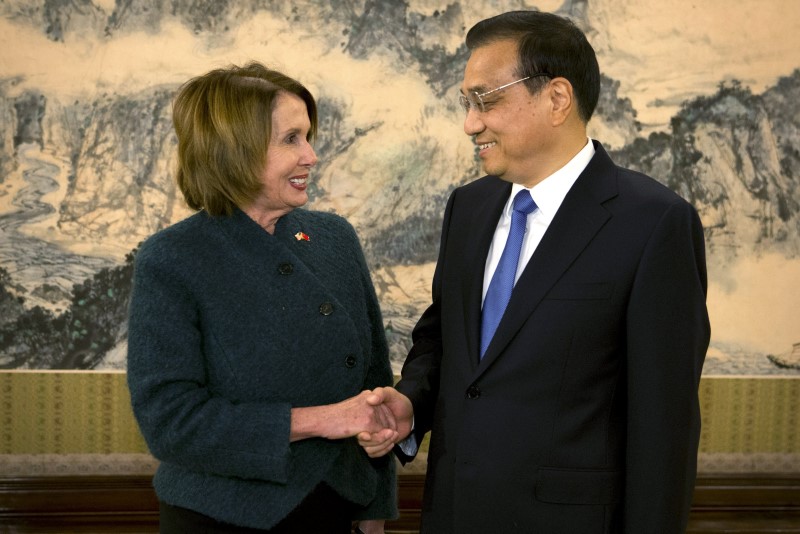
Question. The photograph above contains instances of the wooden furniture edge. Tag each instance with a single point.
(129, 499)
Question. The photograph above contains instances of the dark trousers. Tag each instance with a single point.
(323, 511)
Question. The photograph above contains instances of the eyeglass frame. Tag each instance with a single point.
(477, 103)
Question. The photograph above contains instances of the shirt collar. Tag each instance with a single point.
(550, 192)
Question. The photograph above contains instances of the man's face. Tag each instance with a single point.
(513, 133)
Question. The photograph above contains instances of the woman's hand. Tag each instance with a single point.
(344, 419)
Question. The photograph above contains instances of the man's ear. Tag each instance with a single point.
(562, 100)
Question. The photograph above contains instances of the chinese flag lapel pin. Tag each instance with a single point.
(302, 236)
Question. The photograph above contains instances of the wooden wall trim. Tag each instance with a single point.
(721, 502)
(737, 492)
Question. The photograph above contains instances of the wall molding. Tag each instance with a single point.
(722, 503)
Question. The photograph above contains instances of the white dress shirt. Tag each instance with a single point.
(548, 196)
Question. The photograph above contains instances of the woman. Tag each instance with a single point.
(254, 329)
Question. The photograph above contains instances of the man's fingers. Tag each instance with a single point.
(376, 397)
(386, 417)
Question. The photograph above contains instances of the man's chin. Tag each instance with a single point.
(498, 173)
(506, 177)
(491, 170)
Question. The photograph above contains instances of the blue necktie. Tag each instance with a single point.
(499, 292)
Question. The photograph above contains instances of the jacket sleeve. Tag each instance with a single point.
(181, 419)
(667, 337)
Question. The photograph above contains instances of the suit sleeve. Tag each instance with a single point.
(667, 338)
(420, 375)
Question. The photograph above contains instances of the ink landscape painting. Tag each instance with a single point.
(703, 96)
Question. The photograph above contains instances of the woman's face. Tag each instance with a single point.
(289, 157)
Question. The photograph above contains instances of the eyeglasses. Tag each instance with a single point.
(474, 100)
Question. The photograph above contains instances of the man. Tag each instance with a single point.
(570, 406)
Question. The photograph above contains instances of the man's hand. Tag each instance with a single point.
(379, 443)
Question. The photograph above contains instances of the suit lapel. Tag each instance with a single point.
(485, 217)
(578, 220)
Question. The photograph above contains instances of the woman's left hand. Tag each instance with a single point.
(370, 526)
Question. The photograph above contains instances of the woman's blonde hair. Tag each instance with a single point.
(223, 122)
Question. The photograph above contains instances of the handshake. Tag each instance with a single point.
(394, 416)
(378, 419)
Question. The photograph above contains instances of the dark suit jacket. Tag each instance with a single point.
(583, 415)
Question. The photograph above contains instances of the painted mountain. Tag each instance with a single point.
(87, 150)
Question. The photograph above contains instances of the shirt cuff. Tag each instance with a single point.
(409, 446)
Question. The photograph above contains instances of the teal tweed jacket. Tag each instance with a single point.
(229, 328)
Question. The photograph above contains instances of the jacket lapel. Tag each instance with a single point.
(485, 217)
(261, 253)
(578, 220)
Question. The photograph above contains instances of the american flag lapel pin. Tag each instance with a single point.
(302, 236)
